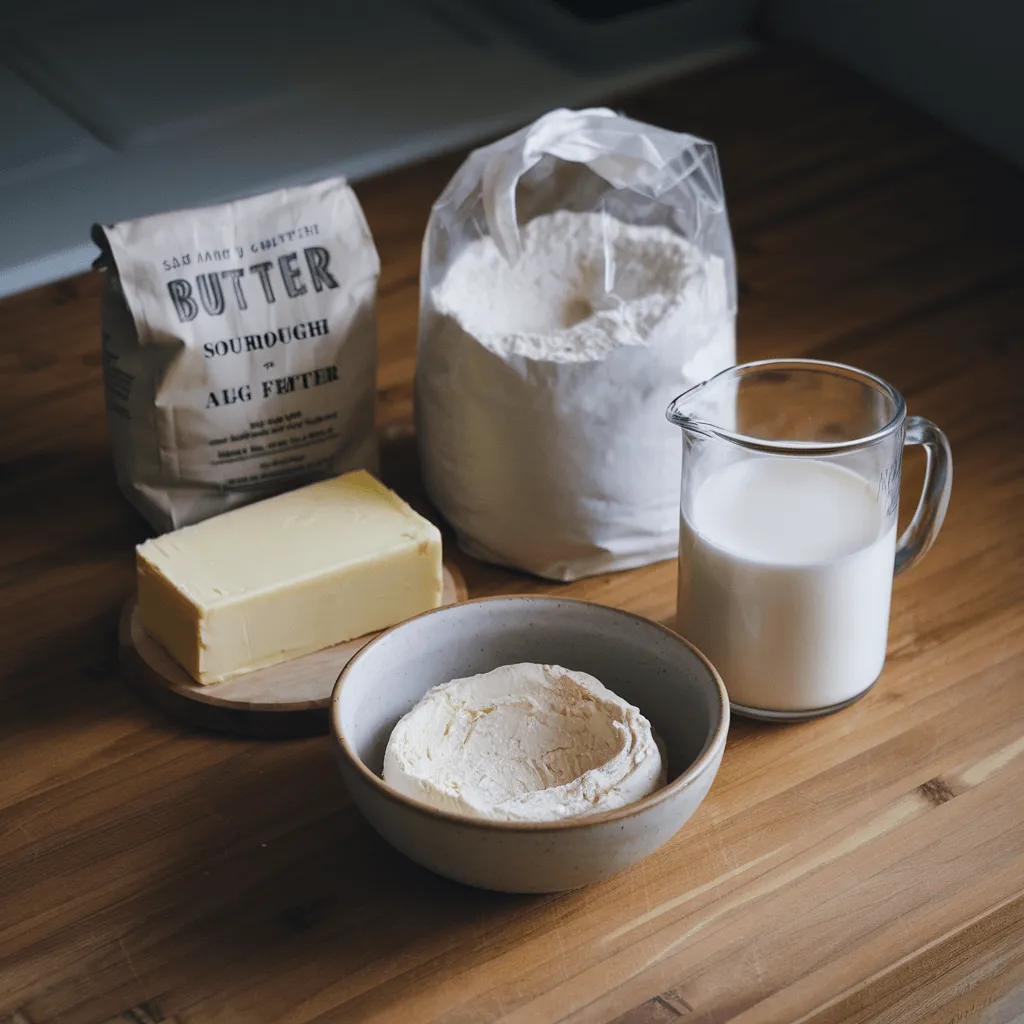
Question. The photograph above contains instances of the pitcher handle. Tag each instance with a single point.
(938, 481)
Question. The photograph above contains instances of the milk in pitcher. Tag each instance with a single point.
(786, 568)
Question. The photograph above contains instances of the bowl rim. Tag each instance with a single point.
(708, 755)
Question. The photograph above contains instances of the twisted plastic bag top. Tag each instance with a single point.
(677, 172)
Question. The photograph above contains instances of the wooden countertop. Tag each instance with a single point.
(863, 867)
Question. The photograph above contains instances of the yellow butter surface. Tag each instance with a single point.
(286, 576)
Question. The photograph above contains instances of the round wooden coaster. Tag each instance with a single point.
(290, 699)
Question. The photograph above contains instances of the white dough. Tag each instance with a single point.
(524, 742)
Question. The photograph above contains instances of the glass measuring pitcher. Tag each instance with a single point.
(787, 548)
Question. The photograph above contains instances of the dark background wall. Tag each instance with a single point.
(115, 111)
(962, 60)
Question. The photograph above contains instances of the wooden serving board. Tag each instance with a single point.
(290, 699)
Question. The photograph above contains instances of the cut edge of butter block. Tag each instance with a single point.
(287, 576)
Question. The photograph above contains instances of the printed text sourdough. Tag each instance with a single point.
(239, 349)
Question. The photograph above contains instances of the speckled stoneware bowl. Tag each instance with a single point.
(671, 682)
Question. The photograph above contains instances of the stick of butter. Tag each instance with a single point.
(283, 577)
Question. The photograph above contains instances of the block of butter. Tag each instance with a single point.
(286, 576)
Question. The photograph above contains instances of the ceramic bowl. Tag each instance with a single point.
(671, 682)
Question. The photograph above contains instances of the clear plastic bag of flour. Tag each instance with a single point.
(239, 349)
(577, 276)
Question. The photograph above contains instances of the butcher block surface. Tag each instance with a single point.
(867, 866)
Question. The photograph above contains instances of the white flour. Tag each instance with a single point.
(542, 387)
(564, 301)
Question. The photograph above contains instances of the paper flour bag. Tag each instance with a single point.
(239, 349)
(577, 276)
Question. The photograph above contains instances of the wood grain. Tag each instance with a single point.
(286, 700)
(864, 867)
